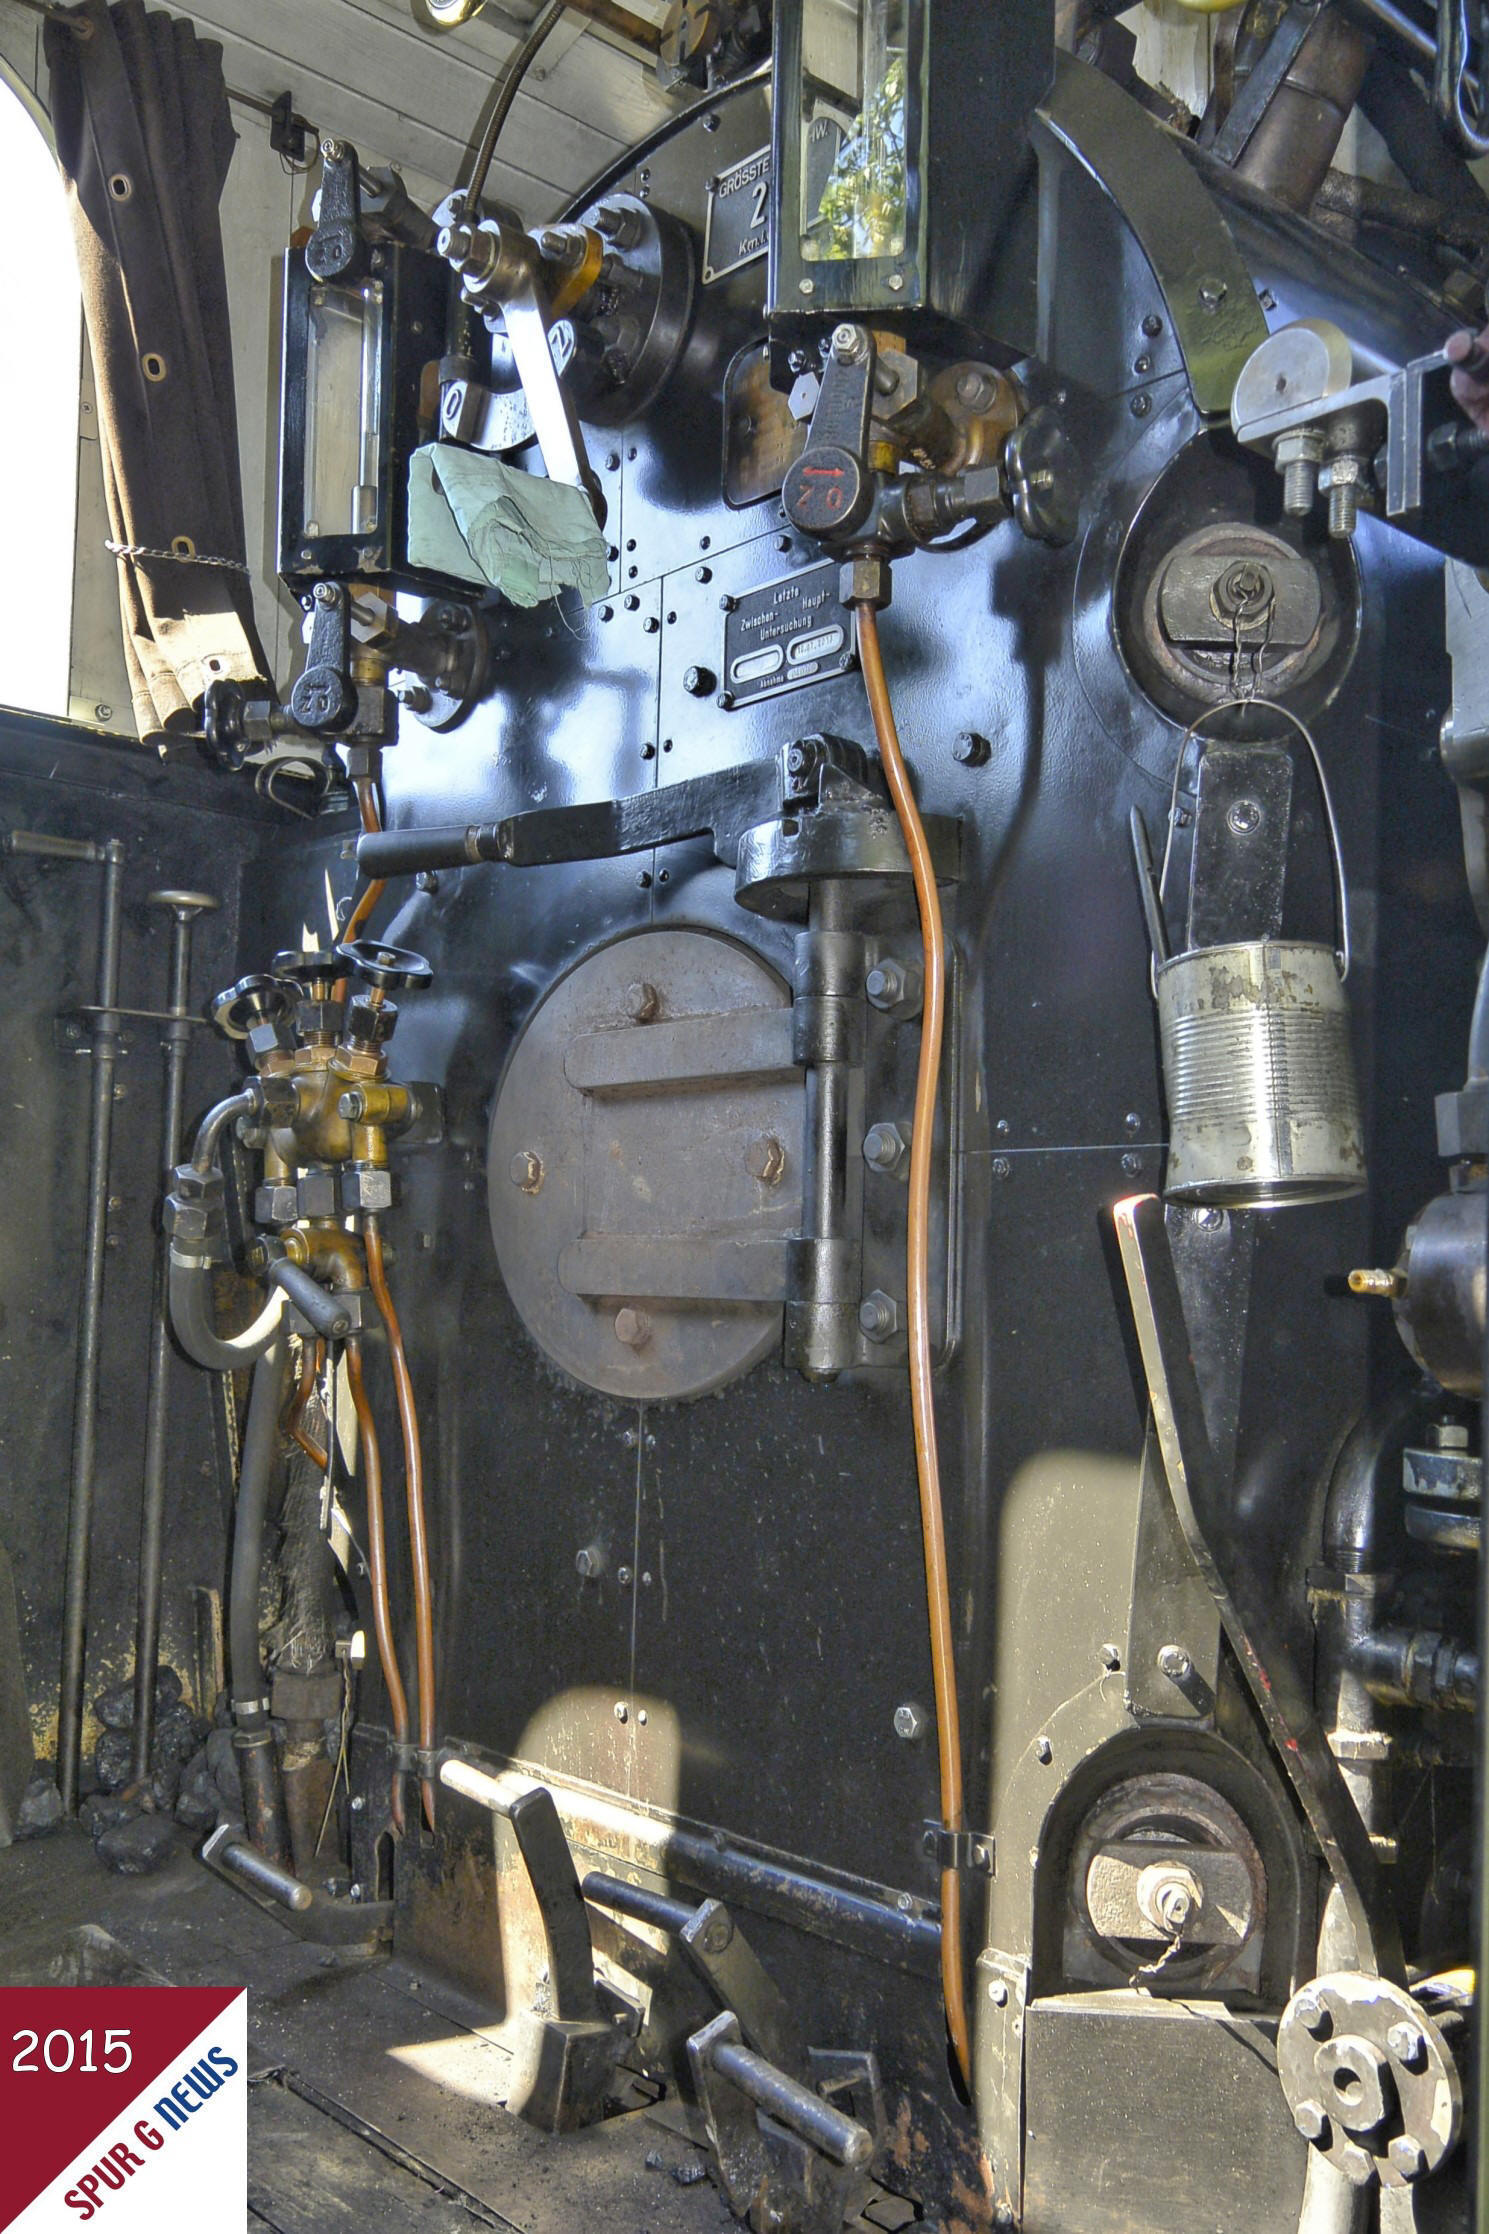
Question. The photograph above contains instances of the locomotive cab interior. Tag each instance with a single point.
(745, 1214)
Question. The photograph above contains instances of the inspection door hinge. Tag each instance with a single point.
(963, 1850)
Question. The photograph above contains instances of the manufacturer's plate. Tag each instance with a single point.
(737, 228)
(785, 634)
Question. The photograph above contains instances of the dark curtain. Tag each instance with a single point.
(144, 137)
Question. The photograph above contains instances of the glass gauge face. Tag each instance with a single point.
(343, 410)
(853, 117)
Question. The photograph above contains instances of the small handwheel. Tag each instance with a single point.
(251, 1001)
(306, 966)
(390, 968)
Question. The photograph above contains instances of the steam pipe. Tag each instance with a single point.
(177, 1037)
(85, 1395)
(212, 1127)
(253, 1739)
(189, 1288)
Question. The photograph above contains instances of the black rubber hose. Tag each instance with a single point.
(508, 85)
(328, 1314)
(189, 1288)
(255, 1481)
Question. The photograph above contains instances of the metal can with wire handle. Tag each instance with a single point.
(1258, 1067)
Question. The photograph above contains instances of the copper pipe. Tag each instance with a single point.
(418, 1533)
(372, 820)
(377, 1561)
(922, 1393)
(315, 1358)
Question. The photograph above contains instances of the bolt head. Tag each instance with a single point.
(1357, 2164)
(1408, 2045)
(997, 1994)
(526, 1171)
(971, 750)
(1407, 2158)
(1314, 2015)
(1110, 1656)
(1175, 1663)
(879, 1316)
(590, 1562)
(1043, 1751)
(633, 1328)
(1310, 2119)
(910, 1721)
(622, 1711)
(642, 1002)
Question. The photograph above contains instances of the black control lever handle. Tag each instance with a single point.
(404, 853)
(328, 1314)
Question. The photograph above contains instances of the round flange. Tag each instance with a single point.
(779, 861)
(644, 1164)
(1369, 2078)
(633, 324)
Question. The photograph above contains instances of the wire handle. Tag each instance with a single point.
(1336, 850)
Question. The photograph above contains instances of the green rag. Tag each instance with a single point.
(471, 517)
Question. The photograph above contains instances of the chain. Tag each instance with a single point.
(180, 558)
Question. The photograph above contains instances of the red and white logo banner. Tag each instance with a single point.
(123, 2107)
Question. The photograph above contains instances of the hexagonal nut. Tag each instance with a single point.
(1408, 2044)
(886, 1148)
(316, 1192)
(318, 1019)
(879, 1316)
(190, 1185)
(1299, 446)
(1407, 2158)
(910, 1721)
(363, 1188)
(275, 1204)
(1357, 2164)
(369, 1023)
(1311, 2121)
(864, 581)
(187, 1221)
(271, 1035)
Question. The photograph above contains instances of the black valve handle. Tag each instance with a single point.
(306, 966)
(389, 968)
(249, 1002)
(405, 853)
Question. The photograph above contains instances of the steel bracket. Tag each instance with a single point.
(789, 2159)
(960, 1850)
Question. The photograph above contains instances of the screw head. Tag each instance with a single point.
(1001, 1168)
(632, 1327)
(910, 1721)
(642, 1002)
(1175, 1663)
(1244, 817)
(526, 1171)
(1110, 1656)
(971, 750)
(622, 1711)
(590, 1562)
(1152, 325)
(1043, 1751)
(997, 1994)
(1140, 406)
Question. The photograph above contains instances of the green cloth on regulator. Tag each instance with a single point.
(478, 520)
